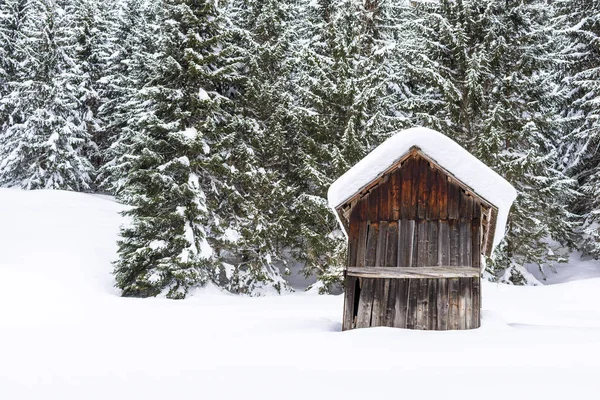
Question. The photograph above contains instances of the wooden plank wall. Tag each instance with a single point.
(415, 217)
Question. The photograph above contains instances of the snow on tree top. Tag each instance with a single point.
(445, 152)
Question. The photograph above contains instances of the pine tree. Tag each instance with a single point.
(578, 31)
(47, 147)
(492, 65)
(185, 165)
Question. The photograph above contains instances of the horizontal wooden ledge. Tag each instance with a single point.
(415, 272)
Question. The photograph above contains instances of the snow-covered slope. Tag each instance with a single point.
(65, 334)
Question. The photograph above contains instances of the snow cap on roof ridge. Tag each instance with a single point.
(445, 152)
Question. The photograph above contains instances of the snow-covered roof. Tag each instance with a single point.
(486, 183)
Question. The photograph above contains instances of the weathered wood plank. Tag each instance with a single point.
(365, 304)
(391, 258)
(453, 289)
(422, 305)
(432, 285)
(453, 200)
(415, 190)
(462, 303)
(362, 244)
(352, 244)
(349, 293)
(442, 184)
(433, 243)
(390, 293)
(433, 211)
(380, 253)
(476, 302)
(475, 244)
(384, 198)
(395, 195)
(378, 302)
(453, 224)
(465, 243)
(422, 256)
(468, 293)
(414, 243)
(406, 185)
(372, 234)
(373, 210)
(444, 243)
(411, 305)
(401, 303)
(449, 271)
(442, 305)
(423, 189)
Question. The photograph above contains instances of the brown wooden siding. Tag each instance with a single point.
(415, 217)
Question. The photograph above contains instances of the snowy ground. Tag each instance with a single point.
(65, 334)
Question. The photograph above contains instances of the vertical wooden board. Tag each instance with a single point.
(432, 286)
(465, 243)
(384, 198)
(433, 243)
(391, 256)
(462, 302)
(442, 185)
(401, 303)
(365, 304)
(468, 293)
(379, 302)
(372, 235)
(444, 242)
(373, 211)
(390, 293)
(414, 232)
(406, 242)
(415, 188)
(352, 243)
(423, 191)
(380, 253)
(442, 305)
(475, 244)
(363, 208)
(463, 204)
(454, 242)
(476, 302)
(349, 293)
(402, 253)
(422, 256)
(406, 189)
(468, 206)
(411, 308)
(433, 211)
(453, 293)
(395, 195)
(422, 304)
(454, 193)
(362, 243)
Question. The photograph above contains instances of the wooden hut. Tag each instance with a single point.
(419, 212)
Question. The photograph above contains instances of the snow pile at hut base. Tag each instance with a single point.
(443, 150)
(66, 334)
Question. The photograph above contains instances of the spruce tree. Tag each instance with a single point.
(46, 146)
(492, 65)
(577, 28)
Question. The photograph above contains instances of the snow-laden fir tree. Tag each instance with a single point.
(492, 65)
(353, 81)
(92, 22)
(131, 66)
(13, 14)
(44, 144)
(184, 168)
(578, 31)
